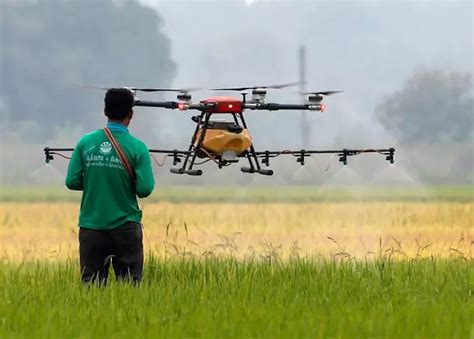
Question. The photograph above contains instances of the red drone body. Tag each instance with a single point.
(223, 104)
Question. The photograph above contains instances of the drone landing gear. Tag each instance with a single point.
(188, 172)
(202, 122)
(251, 154)
(255, 168)
(262, 171)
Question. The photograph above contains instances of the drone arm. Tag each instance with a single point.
(182, 106)
(177, 155)
(343, 154)
(169, 152)
(349, 152)
(162, 104)
(49, 152)
(276, 107)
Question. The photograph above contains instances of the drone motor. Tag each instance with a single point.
(258, 95)
(184, 96)
(314, 98)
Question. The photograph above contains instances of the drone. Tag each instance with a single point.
(226, 142)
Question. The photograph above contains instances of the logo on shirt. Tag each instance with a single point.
(105, 147)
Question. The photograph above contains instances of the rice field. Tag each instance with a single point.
(267, 266)
(425, 298)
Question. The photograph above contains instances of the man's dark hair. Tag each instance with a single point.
(118, 102)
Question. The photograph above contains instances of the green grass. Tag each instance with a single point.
(213, 298)
(292, 194)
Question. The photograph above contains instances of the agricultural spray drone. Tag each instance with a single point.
(226, 142)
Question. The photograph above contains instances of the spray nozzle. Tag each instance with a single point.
(48, 155)
(343, 157)
(390, 157)
(301, 158)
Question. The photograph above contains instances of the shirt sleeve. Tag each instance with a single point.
(75, 171)
(144, 174)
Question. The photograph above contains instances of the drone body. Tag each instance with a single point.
(227, 141)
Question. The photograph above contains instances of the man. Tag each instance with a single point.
(110, 219)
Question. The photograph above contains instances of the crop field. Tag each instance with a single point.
(242, 263)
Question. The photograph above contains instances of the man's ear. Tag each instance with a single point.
(130, 114)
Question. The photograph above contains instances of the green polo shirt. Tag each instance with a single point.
(108, 198)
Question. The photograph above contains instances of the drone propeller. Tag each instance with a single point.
(94, 87)
(327, 93)
(148, 89)
(179, 90)
(254, 87)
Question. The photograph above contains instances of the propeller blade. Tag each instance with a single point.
(322, 92)
(254, 87)
(94, 87)
(147, 89)
(185, 90)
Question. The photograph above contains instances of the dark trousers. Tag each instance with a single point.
(122, 247)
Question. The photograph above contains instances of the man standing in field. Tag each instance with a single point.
(112, 168)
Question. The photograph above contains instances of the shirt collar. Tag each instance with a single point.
(117, 127)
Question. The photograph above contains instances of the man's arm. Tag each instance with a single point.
(144, 173)
(75, 171)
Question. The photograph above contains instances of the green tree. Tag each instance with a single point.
(433, 106)
(49, 47)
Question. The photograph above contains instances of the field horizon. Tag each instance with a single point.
(258, 194)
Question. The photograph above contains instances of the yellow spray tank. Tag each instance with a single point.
(223, 136)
